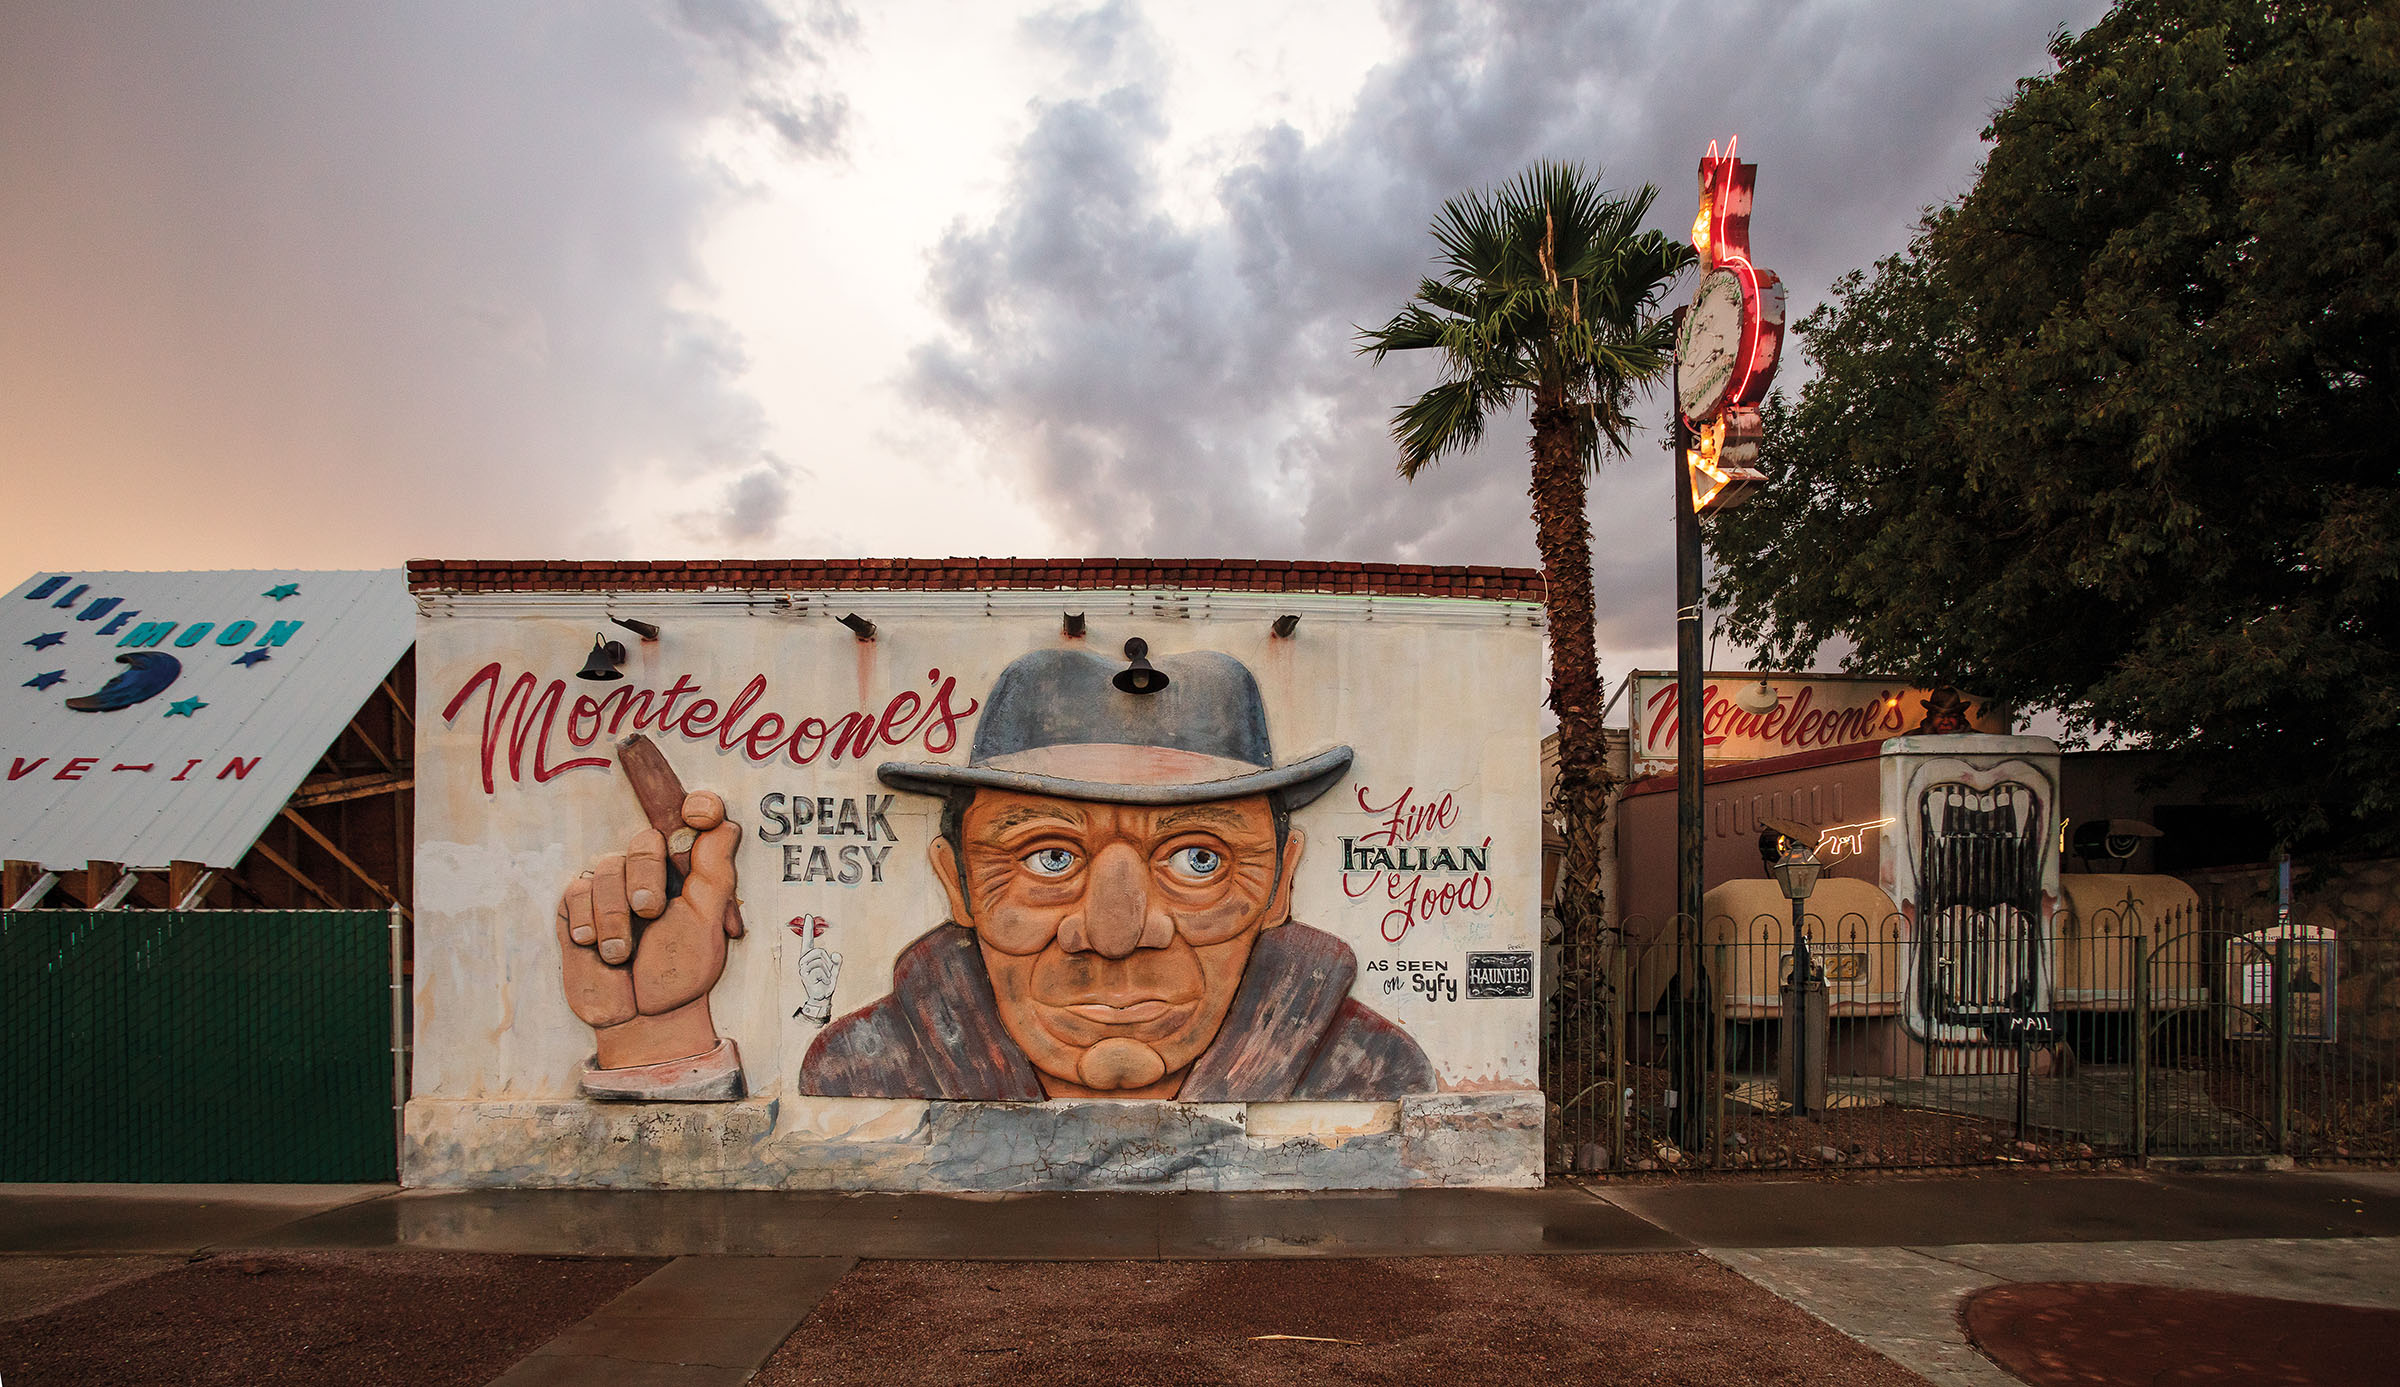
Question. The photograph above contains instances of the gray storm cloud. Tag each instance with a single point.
(377, 269)
(752, 506)
(1187, 386)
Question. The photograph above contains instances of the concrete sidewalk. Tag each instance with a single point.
(1030, 1227)
(92, 1220)
(1614, 1217)
(1888, 1262)
(696, 1322)
(1948, 1210)
(1883, 1259)
(1903, 1301)
(1710, 1214)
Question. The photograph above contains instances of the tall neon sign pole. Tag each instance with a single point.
(1726, 348)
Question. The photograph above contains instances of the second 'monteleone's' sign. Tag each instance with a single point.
(1812, 712)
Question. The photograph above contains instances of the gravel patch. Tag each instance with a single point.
(31, 1285)
(356, 1319)
(1650, 1319)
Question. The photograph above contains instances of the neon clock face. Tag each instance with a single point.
(1709, 351)
(1733, 333)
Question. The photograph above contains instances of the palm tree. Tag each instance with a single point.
(1543, 297)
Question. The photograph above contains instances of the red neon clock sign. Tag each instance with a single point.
(1732, 336)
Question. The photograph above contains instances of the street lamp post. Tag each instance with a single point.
(1690, 775)
(1727, 339)
(1796, 871)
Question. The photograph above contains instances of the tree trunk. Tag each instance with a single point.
(1564, 534)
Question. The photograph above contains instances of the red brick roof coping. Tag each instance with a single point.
(971, 575)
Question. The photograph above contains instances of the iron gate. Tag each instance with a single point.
(2250, 1050)
(196, 1046)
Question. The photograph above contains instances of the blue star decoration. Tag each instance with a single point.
(44, 642)
(43, 681)
(281, 591)
(253, 657)
(184, 707)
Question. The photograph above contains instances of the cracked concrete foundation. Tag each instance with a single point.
(1451, 1139)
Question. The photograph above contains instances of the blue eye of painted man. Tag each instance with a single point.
(1051, 862)
(1196, 862)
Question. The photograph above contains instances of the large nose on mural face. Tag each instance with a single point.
(1119, 903)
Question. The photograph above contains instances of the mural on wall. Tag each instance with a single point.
(820, 969)
(642, 940)
(1946, 711)
(1973, 865)
(982, 856)
(1980, 926)
(1118, 858)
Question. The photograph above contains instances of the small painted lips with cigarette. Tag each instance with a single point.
(820, 969)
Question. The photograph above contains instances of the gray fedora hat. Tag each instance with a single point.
(1055, 724)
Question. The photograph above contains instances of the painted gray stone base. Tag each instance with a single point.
(1483, 1139)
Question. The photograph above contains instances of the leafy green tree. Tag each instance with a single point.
(1543, 300)
(2118, 435)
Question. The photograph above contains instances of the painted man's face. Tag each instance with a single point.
(1116, 934)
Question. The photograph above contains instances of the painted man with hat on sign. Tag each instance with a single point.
(1118, 854)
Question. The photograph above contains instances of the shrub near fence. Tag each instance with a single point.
(2125, 1034)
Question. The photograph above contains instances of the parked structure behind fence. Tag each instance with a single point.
(2162, 1026)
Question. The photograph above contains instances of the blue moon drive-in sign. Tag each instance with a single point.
(147, 674)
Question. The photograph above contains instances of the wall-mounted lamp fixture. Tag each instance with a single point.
(603, 661)
(2096, 840)
(859, 626)
(1138, 677)
(1286, 624)
(1778, 838)
(643, 629)
(1074, 625)
(1757, 698)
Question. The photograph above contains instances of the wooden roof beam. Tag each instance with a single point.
(344, 858)
(352, 787)
(260, 847)
(400, 705)
(372, 749)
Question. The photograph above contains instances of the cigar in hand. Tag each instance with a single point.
(661, 794)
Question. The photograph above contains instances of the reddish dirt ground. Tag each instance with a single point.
(383, 1319)
(1664, 1319)
(2091, 1334)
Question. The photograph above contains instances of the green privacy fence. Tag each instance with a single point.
(221, 1045)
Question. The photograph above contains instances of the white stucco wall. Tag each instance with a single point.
(1438, 698)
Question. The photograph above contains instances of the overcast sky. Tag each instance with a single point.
(328, 284)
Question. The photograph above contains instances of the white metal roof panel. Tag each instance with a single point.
(147, 718)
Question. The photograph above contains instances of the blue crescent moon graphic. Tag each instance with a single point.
(147, 675)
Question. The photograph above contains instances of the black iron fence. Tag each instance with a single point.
(2124, 1032)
